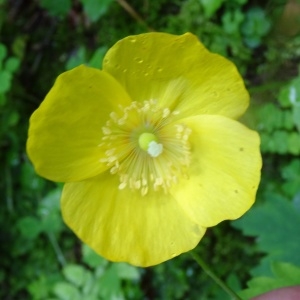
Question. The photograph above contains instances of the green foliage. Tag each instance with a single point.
(284, 275)
(8, 66)
(59, 8)
(80, 57)
(276, 224)
(102, 280)
(279, 122)
(210, 7)
(255, 27)
(41, 39)
(95, 9)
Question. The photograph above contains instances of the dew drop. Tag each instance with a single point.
(159, 70)
(138, 60)
(132, 40)
(146, 74)
(125, 70)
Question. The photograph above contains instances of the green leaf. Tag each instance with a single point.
(76, 274)
(3, 53)
(29, 227)
(294, 143)
(232, 20)
(275, 224)
(39, 288)
(96, 60)
(66, 291)
(296, 116)
(110, 284)
(12, 64)
(5, 79)
(290, 93)
(291, 176)
(281, 141)
(49, 211)
(95, 9)
(126, 271)
(78, 58)
(57, 8)
(91, 258)
(211, 6)
(284, 274)
(256, 26)
(269, 117)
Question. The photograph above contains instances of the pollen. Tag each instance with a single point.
(145, 147)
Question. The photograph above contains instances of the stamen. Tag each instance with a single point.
(145, 148)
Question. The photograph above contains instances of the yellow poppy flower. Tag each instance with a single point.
(148, 147)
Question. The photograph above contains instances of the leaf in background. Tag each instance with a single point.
(97, 58)
(5, 79)
(211, 6)
(284, 275)
(3, 53)
(91, 258)
(59, 8)
(110, 284)
(95, 9)
(12, 64)
(256, 25)
(77, 58)
(49, 211)
(66, 291)
(126, 271)
(296, 115)
(291, 175)
(30, 227)
(76, 274)
(275, 224)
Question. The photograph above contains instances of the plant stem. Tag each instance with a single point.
(212, 275)
(134, 14)
(60, 257)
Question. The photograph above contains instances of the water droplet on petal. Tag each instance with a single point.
(138, 60)
(159, 70)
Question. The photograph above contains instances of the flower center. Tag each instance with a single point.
(148, 142)
(145, 147)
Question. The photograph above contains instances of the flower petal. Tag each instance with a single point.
(122, 225)
(66, 129)
(179, 73)
(224, 173)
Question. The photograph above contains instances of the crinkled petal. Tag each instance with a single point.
(224, 173)
(66, 130)
(121, 225)
(179, 73)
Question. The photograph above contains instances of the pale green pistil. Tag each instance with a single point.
(148, 142)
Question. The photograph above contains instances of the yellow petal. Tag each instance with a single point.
(179, 73)
(224, 173)
(121, 225)
(66, 129)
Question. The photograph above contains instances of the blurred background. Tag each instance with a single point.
(40, 258)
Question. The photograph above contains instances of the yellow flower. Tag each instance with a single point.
(148, 147)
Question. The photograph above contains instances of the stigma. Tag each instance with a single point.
(148, 142)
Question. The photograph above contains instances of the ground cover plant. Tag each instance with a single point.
(40, 257)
